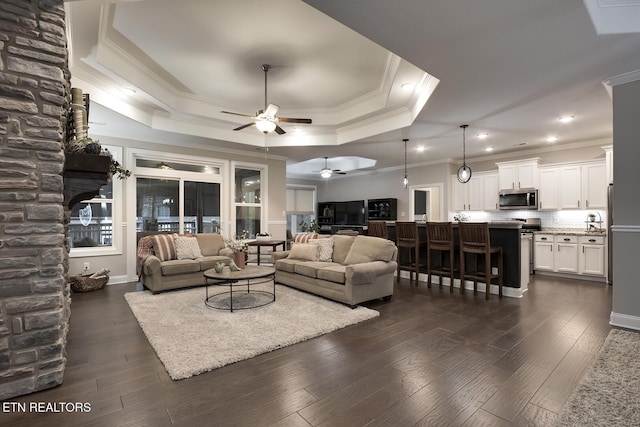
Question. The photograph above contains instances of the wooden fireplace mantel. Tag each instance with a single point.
(83, 176)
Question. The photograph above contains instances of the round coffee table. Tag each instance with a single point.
(245, 297)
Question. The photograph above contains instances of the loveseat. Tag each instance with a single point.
(348, 269)
(171, 261)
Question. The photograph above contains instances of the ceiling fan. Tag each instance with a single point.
(326, 173)
(266, 120)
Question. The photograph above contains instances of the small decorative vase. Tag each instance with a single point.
(240, 259)
(219, 267)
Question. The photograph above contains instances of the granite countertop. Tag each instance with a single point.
(574, 231)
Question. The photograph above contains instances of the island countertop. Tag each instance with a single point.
(501, 233)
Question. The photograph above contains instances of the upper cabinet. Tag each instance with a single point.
(479, 194)
(573, 186)
(516, 175)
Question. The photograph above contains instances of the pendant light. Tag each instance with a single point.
(464, 171)
(405, 180)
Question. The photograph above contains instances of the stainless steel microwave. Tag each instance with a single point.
(518, 199)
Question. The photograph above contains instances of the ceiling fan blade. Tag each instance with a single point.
(236, 114)
(292, 120)
(279, 130)
(339, 173)
(272, 110)
(244, 126)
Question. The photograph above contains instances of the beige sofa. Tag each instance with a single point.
(160, 275)
(362, 268)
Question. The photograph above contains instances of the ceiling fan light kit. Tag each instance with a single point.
(464, 171)
(266, 120)
(326, 173)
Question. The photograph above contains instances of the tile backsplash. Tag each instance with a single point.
(555, 219)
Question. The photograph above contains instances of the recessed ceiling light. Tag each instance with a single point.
(488, 149)
(483, 135)
(406, 86)
(552, 138)
(421, 148)
(566, 119)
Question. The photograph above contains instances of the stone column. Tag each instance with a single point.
(34, 290)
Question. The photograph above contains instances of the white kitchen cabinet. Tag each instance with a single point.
(479, 194)
(491, 190)
(582, 186)
(594, 186)
(565, 259)
(569, 253)
(548, 188)
(569, 187)
(459, 195)
(543, 252)
(516, 175)
(591, 255)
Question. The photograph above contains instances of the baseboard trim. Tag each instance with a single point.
(624, 321)
(600, 279)
(116, 280)
(507, 291)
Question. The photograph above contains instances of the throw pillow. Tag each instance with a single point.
(326, 248)
(163, 246)
(305, 237)
(187, 248)
(369, 248)
(304, 252)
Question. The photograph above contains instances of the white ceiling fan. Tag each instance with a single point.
(266, 120)
(326, 172)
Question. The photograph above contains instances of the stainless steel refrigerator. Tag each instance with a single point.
(609, 234)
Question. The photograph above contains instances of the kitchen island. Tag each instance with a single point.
(505, 234)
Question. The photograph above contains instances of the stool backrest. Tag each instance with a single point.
(377, 229)
(474, 235)
(406, 232)
(439, 233)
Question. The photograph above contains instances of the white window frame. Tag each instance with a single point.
(117, 229)
(294, 222)
(264, 196)
(180, 176)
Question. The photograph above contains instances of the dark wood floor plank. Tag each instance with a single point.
(515, 393)
(430, 358)
(555, 391)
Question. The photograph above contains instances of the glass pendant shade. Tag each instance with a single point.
(266, 126)
(405, 180)
(326, 174)
(464, 171)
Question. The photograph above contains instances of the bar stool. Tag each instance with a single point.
(474, 240)
(377, 229)
(440, 240)
(407, 237)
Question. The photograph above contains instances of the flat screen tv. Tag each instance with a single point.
(350, 213)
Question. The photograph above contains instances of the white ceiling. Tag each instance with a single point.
(506, 67)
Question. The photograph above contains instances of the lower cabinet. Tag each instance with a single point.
(591, 255)
(569, 253)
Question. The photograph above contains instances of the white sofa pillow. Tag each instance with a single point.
(187, 248)
(326, 248)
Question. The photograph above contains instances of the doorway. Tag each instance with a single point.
(426, 202)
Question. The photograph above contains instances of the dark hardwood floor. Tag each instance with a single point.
(431, 358)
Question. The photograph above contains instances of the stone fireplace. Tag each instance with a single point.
(34, 290)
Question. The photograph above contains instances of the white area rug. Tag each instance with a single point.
(608, 393)
(191, 338)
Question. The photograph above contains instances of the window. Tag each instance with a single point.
(181, 199)
(94, 225)
(248, 200)
(301, 203)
